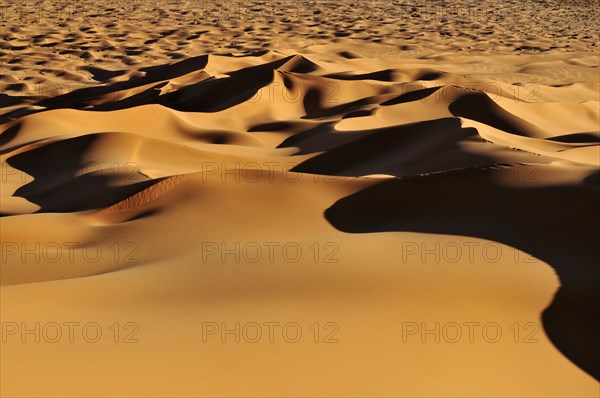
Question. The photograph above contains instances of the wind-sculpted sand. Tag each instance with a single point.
(192, 187)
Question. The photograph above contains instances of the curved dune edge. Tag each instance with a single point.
(411, 204)
(147, 195)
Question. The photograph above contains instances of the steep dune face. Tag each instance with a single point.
(386, 192)
(511, 210)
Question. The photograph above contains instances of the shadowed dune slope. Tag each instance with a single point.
(553, 221)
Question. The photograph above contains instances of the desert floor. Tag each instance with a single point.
(312, 198)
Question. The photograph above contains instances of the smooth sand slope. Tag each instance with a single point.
(193, 174)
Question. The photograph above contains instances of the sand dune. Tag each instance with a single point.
(316, 169)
